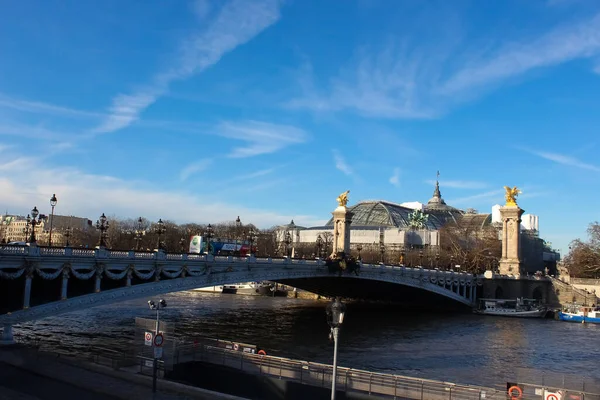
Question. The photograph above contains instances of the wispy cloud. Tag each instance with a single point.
(193, 168)
(44, 108)
(340, 163)
(459, 184)
(260, 137)
(420, 80)
(565, 160)
(89, 195)
(236, 23)
(395, 178)
(489, 197)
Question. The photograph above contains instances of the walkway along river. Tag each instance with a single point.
(462, 348)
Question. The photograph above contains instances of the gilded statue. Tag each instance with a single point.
(511, 195)
(343, 199)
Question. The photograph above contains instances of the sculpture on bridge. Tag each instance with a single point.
(511, 196)
(342, 199)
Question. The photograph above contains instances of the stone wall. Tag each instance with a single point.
(576, 291)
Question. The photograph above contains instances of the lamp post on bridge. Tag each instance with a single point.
(102, 225)
(53, 202)
(26, 229)
(335, 317)
(382, 251)
(182, 243)
(319, 243)
(359, 248)
(160, 230)
(238, 226)
(251, 238)
(157, 353)
(67, 235)
(209, 234)
(33, 222)
(420, 258)
(288, 244)
(139, 233)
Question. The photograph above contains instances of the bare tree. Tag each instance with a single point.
(583, 260)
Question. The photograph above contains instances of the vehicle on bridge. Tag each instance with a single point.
(521, 308)
(221, 247)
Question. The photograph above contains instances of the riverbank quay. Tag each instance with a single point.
(59, 376)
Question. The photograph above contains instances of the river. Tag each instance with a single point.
(461, 348)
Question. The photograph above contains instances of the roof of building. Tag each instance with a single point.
(438, 207)
(475, 221)
(385, 214)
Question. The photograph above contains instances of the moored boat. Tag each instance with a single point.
(578, 313)
(519, 308)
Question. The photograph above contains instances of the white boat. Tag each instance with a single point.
(210, 289)
(519, 308)
(248, 288)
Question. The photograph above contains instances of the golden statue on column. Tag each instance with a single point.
(511, 196)
(342, 199)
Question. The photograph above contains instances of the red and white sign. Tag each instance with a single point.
(159, 339)
(552, 395)
(148, 338)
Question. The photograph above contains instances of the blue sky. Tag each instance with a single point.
(202, 111)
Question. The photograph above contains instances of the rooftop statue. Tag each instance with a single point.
(511, 196)
(343, 199)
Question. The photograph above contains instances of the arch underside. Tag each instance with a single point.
(319, 281)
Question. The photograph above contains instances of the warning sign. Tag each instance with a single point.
(552, 395)
(148, 338)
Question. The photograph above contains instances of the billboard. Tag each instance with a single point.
(195, 244)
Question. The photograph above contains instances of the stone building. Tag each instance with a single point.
(414, 225)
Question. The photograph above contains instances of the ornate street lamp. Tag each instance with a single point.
(437, 259)
(288, 244)
(319, 243)
(53, 202)
(402, 256)
(102, 225)
(359, 248)
(208, 234)
(160, 230)
(182, 243)
(251, 237)
(335, 317)
(452, 263)
(382, 251)
(27, 224)
(67, 235)
(34, 222)
(420, 258)
(139, 233)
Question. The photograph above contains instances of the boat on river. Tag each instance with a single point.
(519, 308)
(579, 313)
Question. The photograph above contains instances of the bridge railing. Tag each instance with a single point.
(347, 379)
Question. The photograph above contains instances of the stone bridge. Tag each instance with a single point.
(39, 282)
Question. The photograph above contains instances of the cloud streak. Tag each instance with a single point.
(340, 163)
(565, 160)
(236, 23)
(395, 178)
(261, 137)
(420, 81)
(193, 168)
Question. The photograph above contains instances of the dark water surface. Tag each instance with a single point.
(463, 348)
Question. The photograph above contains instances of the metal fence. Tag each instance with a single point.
(348, 379)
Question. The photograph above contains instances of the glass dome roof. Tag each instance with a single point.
(383, 213)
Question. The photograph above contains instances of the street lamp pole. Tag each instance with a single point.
(335, 317)
(288, 242)
(238, 225)
(359, 248)
(67, 235)
(209, 235)
(160, 230)
(102, 225)
(157, 307)
(139, 233)
(319, 245)
(34, 222)
(53, 202)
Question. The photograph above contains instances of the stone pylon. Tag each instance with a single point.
(342, 218)
(510, 262)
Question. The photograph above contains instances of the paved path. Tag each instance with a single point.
(43, 376)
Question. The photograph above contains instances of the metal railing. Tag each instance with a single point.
(348, 379)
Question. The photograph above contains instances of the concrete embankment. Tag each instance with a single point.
(28, 374)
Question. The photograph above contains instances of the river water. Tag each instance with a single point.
(461, 348)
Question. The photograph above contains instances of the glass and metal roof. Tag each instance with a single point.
(382, 213)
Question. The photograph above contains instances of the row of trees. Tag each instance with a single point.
(130, 234)
(583, 260)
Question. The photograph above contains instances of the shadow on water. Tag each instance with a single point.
(452, 346)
